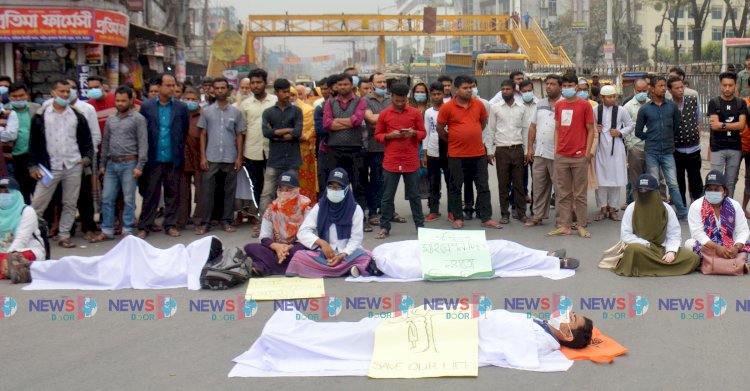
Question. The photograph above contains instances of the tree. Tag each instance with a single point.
(675, 7)
(712, 52)
(700, 14)
(739, 31)
(664, 7)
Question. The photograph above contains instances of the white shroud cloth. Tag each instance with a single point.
(291, 347)
(132, 263)
(400, 261)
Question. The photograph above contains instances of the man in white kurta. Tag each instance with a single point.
(610, 166)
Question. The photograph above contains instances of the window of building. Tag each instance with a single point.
(716, 34)
(729, 33)
(717, 13)
(680, 32)
(680, 13)
(690, 34)
(552, 7)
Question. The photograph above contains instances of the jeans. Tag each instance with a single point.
(70, 179)
(436, 168)
(411, 187)
(375, 183)
(207, 191)
(666, 163)
(728, 162)
(118, 176)
(689, 163)
(474, 168)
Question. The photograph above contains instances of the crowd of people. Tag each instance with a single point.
(313, 169)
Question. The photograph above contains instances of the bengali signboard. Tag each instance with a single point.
(64, 25)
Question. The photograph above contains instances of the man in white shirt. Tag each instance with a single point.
(436, 152)
(507, 123)
(541, 150)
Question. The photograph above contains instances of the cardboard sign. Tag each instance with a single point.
(282, 288)
(449, 254)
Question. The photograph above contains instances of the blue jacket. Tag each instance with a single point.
(180, 127)
(663, 123)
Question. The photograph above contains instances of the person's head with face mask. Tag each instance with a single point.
(571, 329)
(337, 187)
(582, 89)
(419, 95)
(507, 91)
(19, 96)
(73, 91)
(569, 83)
(640, 91)
(95, 88)
(124, 100)
(379, 86)
(527, 92)
(60, 95)
(5, 82)
(287, 189)
(337, 207)
(715, 190)
(11, 212)
(192, 99)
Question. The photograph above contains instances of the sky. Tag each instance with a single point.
(307, 47)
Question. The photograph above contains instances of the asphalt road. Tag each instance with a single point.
(191, 351)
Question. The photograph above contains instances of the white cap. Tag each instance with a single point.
(608, 90)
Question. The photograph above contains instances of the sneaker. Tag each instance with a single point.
(431, 217)
(354, 272)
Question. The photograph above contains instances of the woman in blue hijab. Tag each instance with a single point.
(333, 231)
(20, 239)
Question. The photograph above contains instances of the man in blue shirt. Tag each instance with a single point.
(168, 122)
(662, 119)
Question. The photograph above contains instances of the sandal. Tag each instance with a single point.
(142, 234)
(5, 268)
(366, 227)
(19, 269)
(173, 232)
(254, 234)
(398, 219)
(532, 223)
(66, 243)
(374, 220)
(601, 216)
(229, 228)
(382, 234)
(101, 238)
(582, 232)
(201, 230)
(557, 232)
(569, 263)
(614, 216)
(492, 224)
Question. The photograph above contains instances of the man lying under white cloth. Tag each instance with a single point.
(291, 347)
(132, 263)
(400, 261)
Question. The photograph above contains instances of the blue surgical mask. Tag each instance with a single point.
(568, 92)
(61, 102)
(583, 94)
(355, 80)
(335, 196)
(19, 105)
(95, 93)
(380, 91)
(528, 96)
(714, 197)
(192, 106)
(475, 92)
(641, 96)
(3, 90)
(420, 97)
(6, 200)
(73, 94)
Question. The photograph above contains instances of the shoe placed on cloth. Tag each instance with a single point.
(569, 263)
(354, 272)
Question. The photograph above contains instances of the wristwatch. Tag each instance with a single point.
(723, 125)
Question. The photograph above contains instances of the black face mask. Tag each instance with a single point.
(508, 99)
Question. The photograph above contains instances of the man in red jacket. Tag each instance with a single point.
(401, 128)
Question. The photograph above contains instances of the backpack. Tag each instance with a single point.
(44, 233)
(600, 114)
(225, 268)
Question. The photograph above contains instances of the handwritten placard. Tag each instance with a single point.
(282, 288)
(426, 343)
(450, 255)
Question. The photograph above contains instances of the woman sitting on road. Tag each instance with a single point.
(20, 239)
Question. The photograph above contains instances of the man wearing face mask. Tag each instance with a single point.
(377, 101)
(583, 91)
(509, 135)
(652, 234)
(104, 104)
(65, 153)
(5, 82)
(18, 129)
(191, 172)
(716, 222)
(124, 154)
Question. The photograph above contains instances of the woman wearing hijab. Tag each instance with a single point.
(333, 232)
(651, 233)
(20, 239)
(278, 230)
(725, 235)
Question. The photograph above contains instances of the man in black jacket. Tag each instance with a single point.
(60, 147)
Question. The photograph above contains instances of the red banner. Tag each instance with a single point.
(63, 25)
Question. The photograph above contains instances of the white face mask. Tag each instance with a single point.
(556, 321)
(335, 196)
